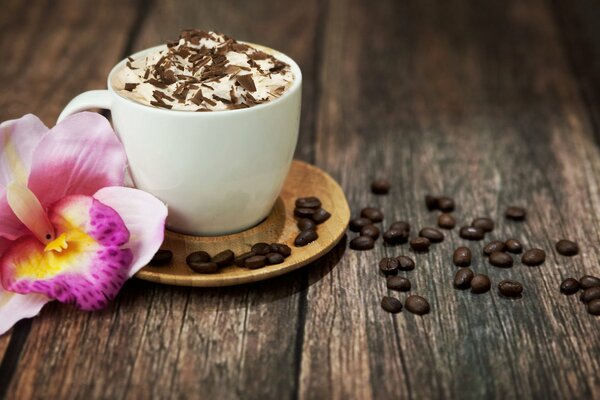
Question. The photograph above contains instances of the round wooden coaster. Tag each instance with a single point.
(279, 227)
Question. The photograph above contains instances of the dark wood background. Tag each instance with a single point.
(492, 102)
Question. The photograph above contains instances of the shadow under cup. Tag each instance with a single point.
(219, 172)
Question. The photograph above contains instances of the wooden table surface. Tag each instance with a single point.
(491, 102)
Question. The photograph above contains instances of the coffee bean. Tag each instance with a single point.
(305, 224)
(480, 284)
(509, 288)
(320, 215)
(513, 246)
(569, 286)
(308, 202)
(282, 249)
(304, 212)
(255, 262)
(486, 224)
(588, 281)
(515, 213)
(395, 236)
(533, 257)
(401, 226)
(388, 266)
(417, 305)
(198, 257)
(380, 186)
(405, 263)
(305, 237)
(594, 307)
(462, 278)
(362, 243)
(431, 202)
(567, 247)
(434, 235)
(240, 260)
(370, 230)
(420, 244)
(446, 204)
(446, 221)
(374, 214)
(462, 257)
(590, 294)
(261, 248)
(357, 224)
(501, 260)
(494, 245)
(161, 258)
(391, 305)
(224, 258)
(204, 267)
(274, 258)
(471, 233)
(398, 283)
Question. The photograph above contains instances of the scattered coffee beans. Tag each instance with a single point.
(462, 257)
(494, 245)
(417, 305)
(420, 244)
(274, 258)
(204, 267)
(515, 213)
(484, 223)
(569, 286)
(362, 243)
(398, 283)
(533, 257)
(501, 260)
(304, 212)
(320, 215)
(509, 288)
(261, 248)
(198, 257)
(282, 249)
(370, 230)
(391, 305)
(374, 214)
(224, 258)
(305, 224)
(380, 186)
(255, 262)
(480, 284)
(358, 223)
(395, 236)
(567, 247)
(446, 221)
(588, 281)
(513, 246)
(594, 307)
(401, 226)
(471, 233)
(431, 202)
(434, 235)
(161, 258)
(462, 278)
(308, 202)
(446, 204)
(305, 237)
(240, 260)
(388, 266)
(405, 263)
(590, 294)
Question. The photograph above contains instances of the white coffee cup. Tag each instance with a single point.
(219, 172)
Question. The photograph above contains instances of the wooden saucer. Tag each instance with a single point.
(279, 227)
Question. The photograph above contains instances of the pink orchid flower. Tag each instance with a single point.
(68, 230)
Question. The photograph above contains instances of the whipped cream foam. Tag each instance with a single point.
(204, 71)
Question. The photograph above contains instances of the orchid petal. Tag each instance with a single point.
(144, 215)
(15, 307)
(29, 211)
(78, 156)
(87, 266)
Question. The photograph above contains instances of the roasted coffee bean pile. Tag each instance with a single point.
(590, 291)
(309, 213)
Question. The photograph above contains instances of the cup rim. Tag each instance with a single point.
(296, 85)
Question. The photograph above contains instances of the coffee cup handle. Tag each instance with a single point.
(85, 101)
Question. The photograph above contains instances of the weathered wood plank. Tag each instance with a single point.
(475, 100)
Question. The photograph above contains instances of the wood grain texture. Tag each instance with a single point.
(490, 102)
